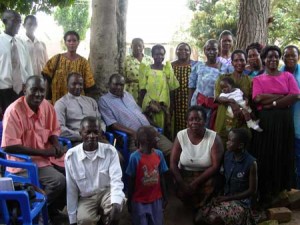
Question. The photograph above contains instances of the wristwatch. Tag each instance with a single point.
(274, 103)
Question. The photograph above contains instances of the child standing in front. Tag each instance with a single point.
(147, 189)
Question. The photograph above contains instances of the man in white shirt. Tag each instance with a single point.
(37, 49)
(13, 73)
(93, 176)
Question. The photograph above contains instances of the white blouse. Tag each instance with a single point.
(196, 157)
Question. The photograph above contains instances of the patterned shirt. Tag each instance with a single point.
(203, 79)
(122, 110)
(132, 66)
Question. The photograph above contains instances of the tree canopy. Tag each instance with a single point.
(74, 17)
(32, 6)
(211, 17)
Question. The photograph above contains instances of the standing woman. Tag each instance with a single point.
(59, 66)
(226, 44)
(274, 92)
(223, 122)
(202, 80)
(290, 58)
(182, 68)
(132, 65)
(156, 82)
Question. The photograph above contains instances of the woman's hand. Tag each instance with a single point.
(236, 110)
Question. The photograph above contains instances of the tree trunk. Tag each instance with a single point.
(253, 22)
(108, 39)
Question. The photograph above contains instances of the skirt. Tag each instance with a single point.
(274, 150)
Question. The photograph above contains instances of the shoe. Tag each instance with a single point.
(58, 218)
(254, 125)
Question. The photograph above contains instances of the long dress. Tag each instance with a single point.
(131, 69)
(274, 147)
(64, 67)
(223, 122)
(181, 94)
(158, 84)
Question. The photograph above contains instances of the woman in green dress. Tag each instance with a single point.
(132, 66)
(156, 81)
(223, 122)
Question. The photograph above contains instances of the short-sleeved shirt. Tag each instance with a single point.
(21, 126)
(131, 68)
(147, 169)
(296, 106)
(123, 110)
(282, 84)
(203, 79)
(64, 67)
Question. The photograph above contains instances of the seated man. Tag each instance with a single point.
(30, 127)
(93, 179)
(120, 112)
(73, 107)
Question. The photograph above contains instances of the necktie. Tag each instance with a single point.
(16, 67)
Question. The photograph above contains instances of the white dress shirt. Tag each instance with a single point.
(5, 61)
(38, 54)
(81, 182)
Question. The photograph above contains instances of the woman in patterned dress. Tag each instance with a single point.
(182, 68)
(202, 81)
(132, 66)
(156, 82)
(59, 66)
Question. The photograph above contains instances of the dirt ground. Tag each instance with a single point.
(177, 214)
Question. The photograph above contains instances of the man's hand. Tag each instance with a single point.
(56, 151)
(114, 214)
(60, 150)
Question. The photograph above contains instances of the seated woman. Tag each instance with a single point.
(196, 159)
(240, 171)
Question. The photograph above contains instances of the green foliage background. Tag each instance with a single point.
(211, 17)
(32, 6)
(75, 17)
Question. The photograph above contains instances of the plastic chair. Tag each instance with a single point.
(125, 141)
(65, 141)
(110, 137)
(29, 215)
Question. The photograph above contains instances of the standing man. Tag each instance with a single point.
(15, 66)
(94, 176)
(30, 127)
(37, 49)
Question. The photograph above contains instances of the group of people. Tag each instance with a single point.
(248, 122)
(206, 109)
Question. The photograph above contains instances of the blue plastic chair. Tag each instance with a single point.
(124, 148)
(29, 216)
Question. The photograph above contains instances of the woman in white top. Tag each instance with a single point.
(196, 158)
